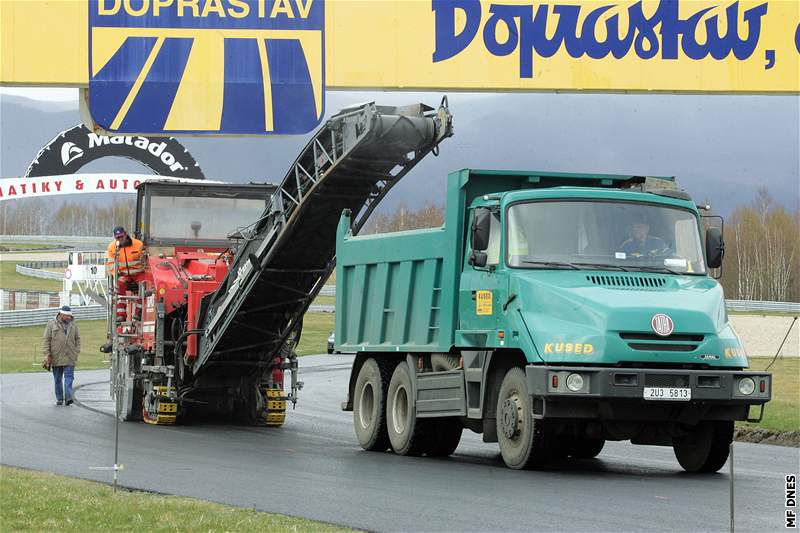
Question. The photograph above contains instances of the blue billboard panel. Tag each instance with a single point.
(209, 66)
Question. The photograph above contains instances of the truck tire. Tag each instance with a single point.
(524, 442)
(408, 435)
(444, 437)
(585, 448)
(706, 448)
(369, 405)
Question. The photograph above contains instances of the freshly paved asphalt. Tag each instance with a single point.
(312, 467)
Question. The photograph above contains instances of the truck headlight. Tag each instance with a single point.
(747, 386)
(575, 382)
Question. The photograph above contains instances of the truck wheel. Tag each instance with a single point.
(706, 448)
(407, 434)
(524, 442)
(586, 448)
(369, 401)
(445, 436)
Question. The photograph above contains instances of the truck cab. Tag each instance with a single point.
(564, 310)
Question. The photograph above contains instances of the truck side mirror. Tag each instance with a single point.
(480, 229)
(715, 247)
(478, 259)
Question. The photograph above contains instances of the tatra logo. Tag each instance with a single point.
(662, 324)
(622, 29)
(70, 152)
(211, 66)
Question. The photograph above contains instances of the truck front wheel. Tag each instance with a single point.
(408, 434)
(524, 442)
(706, 448)
(369, 401)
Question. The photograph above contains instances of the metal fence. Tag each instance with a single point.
(35, 317)
(328, 290)
(769, 307)
(26, 270)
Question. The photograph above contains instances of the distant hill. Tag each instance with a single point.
(721, 148)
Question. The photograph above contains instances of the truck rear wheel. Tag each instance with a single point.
(706, 448)
(445, 436)
(407, 434)
(524, 442)
(369, 401)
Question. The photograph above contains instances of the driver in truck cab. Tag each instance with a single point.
(641, 243)
(130, 267)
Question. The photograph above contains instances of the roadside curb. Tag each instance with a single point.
(765, 436)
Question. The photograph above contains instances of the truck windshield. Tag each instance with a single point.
(613, 235)
(201, 218)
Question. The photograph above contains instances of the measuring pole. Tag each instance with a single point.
(730, 462)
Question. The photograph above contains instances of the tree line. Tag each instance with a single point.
(762, 258)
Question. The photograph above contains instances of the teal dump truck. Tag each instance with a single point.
(551, 312)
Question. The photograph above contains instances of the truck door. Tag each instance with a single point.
(483, 289)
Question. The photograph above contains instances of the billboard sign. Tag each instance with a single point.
(56, 185)
(262, 66)
(213, 66)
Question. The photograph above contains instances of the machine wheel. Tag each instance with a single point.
(524, 442)
(706, 448)
(369, 401)
(585, 448)
(407, 434)
(445, 436)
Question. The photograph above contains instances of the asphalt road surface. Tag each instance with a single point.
(312, 467)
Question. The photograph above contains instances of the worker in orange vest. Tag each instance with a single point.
(130, 267)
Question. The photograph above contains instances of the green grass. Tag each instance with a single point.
(325, 300)
(37, 501)
(20, 348)
(316, 328)
(782, 413)
(10, 279)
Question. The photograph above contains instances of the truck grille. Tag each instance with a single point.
(622, 281)
(666, 380)
(679, 342)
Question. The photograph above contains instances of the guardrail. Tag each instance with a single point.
(328, 290)
(770, 307)
(35, 317)
(60, 239)
(36, 273)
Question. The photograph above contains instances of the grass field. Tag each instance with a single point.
(36, 501)
(782, 413)
(21, 348)
(10, 279)
(316, 328)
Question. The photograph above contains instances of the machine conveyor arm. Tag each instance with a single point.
(350, 163)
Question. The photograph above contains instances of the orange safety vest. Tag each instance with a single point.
(130, 257)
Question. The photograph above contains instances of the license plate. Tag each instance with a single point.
(678, 394)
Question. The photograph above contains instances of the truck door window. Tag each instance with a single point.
(493, 250)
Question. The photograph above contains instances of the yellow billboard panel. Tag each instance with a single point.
(748, 46)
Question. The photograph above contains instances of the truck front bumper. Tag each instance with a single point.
(645, 393)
